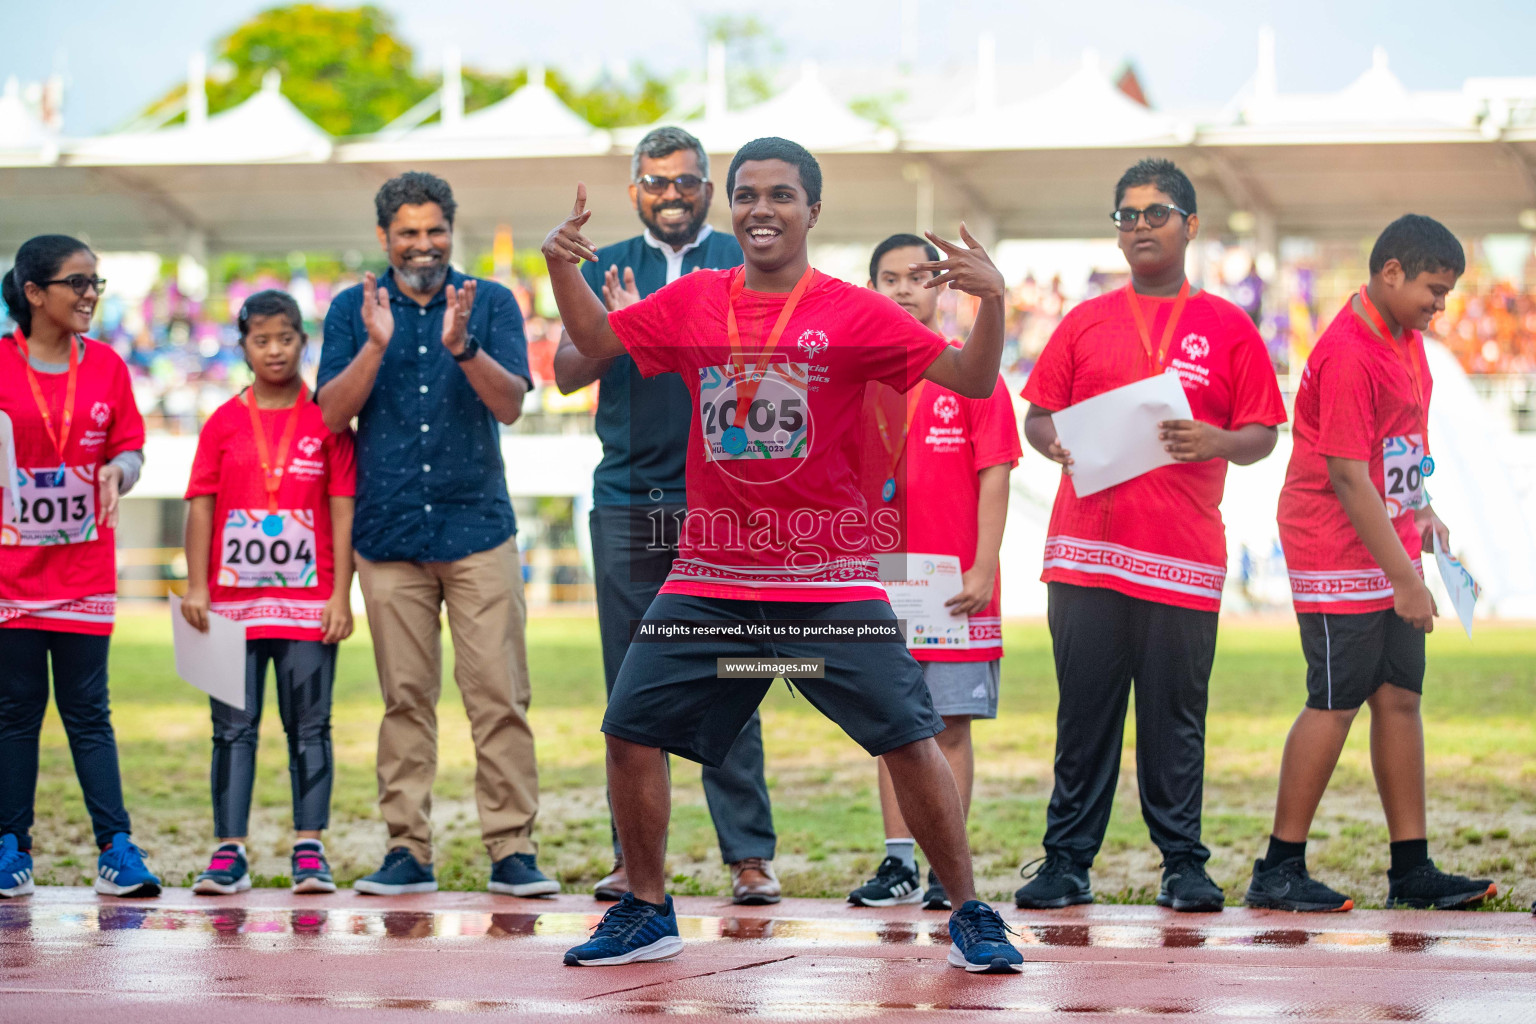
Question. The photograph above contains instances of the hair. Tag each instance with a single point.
(37, 261)
(270, 303)
(902, 241)
(665, 141)
(413, 188)
(1421, 244)
(774, 148)
(1165, 176)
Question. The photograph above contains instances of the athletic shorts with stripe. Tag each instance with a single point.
(668, 693)
(1350, 656)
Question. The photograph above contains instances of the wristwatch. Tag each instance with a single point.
(471, 347)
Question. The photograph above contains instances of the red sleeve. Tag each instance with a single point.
(1255, 390)
(654, 330)
(1050, 383)
(1346, 407)
(341, 465)
(127, 433)
(208, 462)
(994, 430)
(896, 346)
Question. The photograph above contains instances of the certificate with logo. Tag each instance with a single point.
(918, 585)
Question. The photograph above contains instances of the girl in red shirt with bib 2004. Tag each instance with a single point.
(73, 445)
(269, 545)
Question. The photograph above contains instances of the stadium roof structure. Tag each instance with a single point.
(1039, 163)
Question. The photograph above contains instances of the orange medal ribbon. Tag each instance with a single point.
(272, 475)
(61, 438)
(1158, 360)
(1409, 358)
(736, 436)
(897, 449)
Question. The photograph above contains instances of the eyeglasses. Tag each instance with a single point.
(80, 283)
(655, 184)
(1156, 216)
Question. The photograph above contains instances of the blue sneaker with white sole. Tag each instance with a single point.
(400, 873)
(15, 868)
(631, 932)
(980, 941)
(518, 875)
(120, 870)
(227, 872)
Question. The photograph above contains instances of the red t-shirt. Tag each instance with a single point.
(1355, 402)
(949, 441)
(776, 515)
(288, 575)
(44, 584)
(1159, 536)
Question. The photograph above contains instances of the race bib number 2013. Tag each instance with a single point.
(1402, 466)
(51, 506)
(773, 425)
(261, 549)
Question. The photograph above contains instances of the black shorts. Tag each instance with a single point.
(668, 694)
(1350, 656)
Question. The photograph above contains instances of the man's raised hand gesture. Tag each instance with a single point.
(378, 316)
(968, 268)
(566, 243)
(456, 317)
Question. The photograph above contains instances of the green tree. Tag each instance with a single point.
(606, 103)
(751, 53)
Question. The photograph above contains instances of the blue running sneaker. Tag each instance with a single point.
(15, 868)
(227, 873)
(120, 870)
(631, 932)
(311, 871)
(980, 941)
(519, 875)
(401, 873)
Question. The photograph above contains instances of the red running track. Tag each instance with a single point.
(68, 955)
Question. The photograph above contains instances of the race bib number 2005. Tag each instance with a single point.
(773, 425)
(262, 549)
(51, 506)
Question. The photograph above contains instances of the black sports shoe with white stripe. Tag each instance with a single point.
(894, 884)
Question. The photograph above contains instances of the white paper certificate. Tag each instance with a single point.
(918, 585)
(1113, 436)
(214, 661)
(8, 464)
(1459, 584)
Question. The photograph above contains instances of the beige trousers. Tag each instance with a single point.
(486, 612)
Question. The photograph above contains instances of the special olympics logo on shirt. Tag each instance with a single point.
(309, 446)
(946, 407)
(101, 412)
(1195, 346)
(813, 343)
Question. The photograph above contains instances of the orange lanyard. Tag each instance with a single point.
(272, 476)
(896, 450)
(747, 390)
(61, 438)
(1410, 363)
(1158, 360)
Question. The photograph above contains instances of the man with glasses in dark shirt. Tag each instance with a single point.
(638, 499)
(429, 360)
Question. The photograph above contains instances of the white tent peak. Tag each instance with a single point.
(22, 135)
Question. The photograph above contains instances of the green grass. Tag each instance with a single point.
(1480, 714)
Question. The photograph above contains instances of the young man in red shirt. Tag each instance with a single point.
(1354, 517)
(936, 468)
(776, 528)
(1135, 571)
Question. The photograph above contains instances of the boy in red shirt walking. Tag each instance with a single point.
(936, 468)
(269, 544)
(1354, 517)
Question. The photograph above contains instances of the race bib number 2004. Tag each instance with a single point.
(51, 506)
(773, 425)
(262, 549)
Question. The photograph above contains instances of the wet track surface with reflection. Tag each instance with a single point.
(67, 955)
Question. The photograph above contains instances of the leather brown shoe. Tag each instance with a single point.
(614, 885)
(753, 882)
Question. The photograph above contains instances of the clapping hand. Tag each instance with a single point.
(378, 316)
(566, 243)
(615, 295)
(968, 268)
(456, 318)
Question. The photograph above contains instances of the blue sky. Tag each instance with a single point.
(120, 56)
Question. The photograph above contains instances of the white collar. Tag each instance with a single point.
(671, 253)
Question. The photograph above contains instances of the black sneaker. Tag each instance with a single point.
(1426, 887)
(1187, 888)
(894, 883)
(935, 898)
(401, 873)
(518, 874)
(1056, 883)
(1287, 886)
